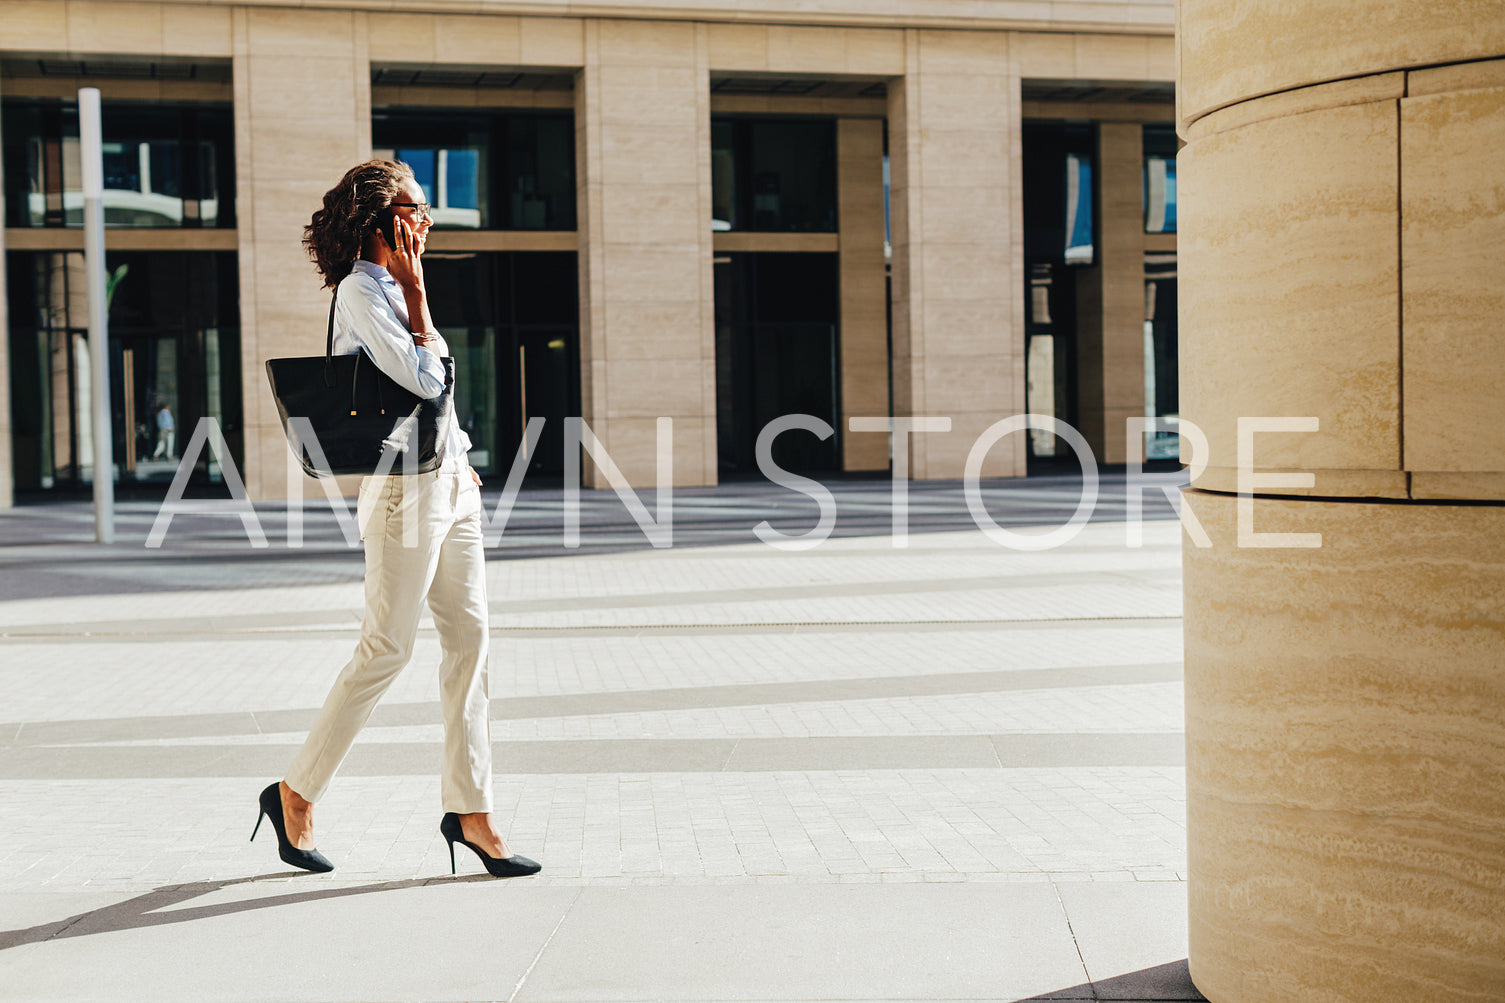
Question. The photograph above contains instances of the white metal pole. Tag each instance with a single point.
(91, 147)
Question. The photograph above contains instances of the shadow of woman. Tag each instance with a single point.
(143, 910)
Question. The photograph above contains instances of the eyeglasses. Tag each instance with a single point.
(419, 208)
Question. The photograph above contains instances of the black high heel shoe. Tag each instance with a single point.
(515, 866)
(271, 807)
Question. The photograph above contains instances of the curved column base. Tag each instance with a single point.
(1345, 730)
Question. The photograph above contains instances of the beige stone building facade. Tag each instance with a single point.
(902, 286)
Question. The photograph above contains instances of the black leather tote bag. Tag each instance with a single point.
(343, 415)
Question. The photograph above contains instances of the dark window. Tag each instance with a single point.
(1059, 231)
(490, 171)
(776, 354)
(512, 325)
(773, 175)
(174, 359)
(1160, 147)
(1059, 217)
(1162, 358)
(164, 165)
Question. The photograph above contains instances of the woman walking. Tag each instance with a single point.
(367, 243)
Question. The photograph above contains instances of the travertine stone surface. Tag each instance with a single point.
(642, 141)
(1456, 77)
(864, 319)
(1132, 17)
(103, 26)
(1360, 90)
(1421, 166)
(1090, 56)
(198, 31)
(1110, 298)
(1475, 486)
(1289, 297)
(1341, 257)
(827, 51)
(1346, 753)
(302, 119)
(1233, 51)
(1453, 243)
(953, 127)
(489, 40)
(1325, 483)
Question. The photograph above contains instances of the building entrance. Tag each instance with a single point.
(776, 355)
(174, 359)
(512, 325)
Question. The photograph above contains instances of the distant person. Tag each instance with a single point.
(367, 242)
(165, 433)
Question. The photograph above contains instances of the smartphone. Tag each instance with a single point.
(388, 228)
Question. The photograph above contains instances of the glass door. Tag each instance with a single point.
(174, 359)
(548, 371)
(510, 321)
(147, 407)
(474, 352)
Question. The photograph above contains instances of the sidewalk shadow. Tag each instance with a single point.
(1171, 981)
(141, 911)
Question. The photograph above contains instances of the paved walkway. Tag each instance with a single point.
(951, 770)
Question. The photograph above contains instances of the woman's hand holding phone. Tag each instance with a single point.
(405, 265)
(403, 255)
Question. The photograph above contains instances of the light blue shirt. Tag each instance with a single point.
(372, 314)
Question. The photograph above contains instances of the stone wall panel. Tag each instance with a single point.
(1232, 51)
(1289, 293)
(1345, 737)
(1453, 241)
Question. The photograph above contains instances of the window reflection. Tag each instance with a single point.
(164, 166)
(1161, 358)
(450, 179)
(1160, 146)
(486, 171)
(773, 175)
(174, 359)
(512, 324)
(1159, 195)
(1078, 209)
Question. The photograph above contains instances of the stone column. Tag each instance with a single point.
(1342, 260)
(302, 119)
(958, 343)
(1110, 297)
(643, 156)
(864, 296)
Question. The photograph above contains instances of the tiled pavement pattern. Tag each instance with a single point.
(726, 713)
(949, 710)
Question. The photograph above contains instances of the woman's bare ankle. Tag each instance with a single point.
(297, 817)
(480, 830)
(291, 798)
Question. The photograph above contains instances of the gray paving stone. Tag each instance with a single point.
(891, 754)
(445, 940)
(760, 942)
(1132, 938)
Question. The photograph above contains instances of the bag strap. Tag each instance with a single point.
(329, 342)
(355, 379)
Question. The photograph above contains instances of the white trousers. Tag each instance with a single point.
(422, 536)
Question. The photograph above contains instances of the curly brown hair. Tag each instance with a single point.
(351, 210)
